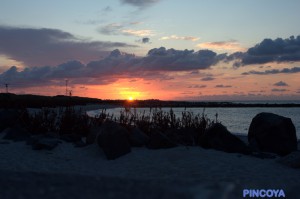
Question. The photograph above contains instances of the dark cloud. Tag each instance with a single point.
(114, 66)
(179, 60)
(157, 59)
(280, 83)
(197, 86)
(140, 3)
(260, 91)
(274, 71)
(36, 47)
(187, 93)
(209, 78)
(223, 86)
(145, 40)
(279, 90)
(41, 76)
(195, 72)
(278, 50)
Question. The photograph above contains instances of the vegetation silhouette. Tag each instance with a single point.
(10, 100)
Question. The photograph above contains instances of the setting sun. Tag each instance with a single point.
(130, 98)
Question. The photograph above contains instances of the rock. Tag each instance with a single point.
(137, 138)
(113, 139)
(16, 133)
(219, 138)
(292, 160)
(158, 140)
(41, 142)
(273, 133)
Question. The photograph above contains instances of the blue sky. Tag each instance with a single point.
(66, 35)
(247, 22)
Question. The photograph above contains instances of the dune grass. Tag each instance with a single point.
(68, 120)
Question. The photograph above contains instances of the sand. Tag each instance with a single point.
(188, 164)
(188, 167)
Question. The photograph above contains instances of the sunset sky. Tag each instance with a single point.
(152, 49)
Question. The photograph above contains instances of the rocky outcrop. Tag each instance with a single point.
(272, 133)
(113, 139)
(219, 138)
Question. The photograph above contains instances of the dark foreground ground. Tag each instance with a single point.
(63, 186)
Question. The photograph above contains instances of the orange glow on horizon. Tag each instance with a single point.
(188, 86)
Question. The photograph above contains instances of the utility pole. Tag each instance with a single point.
(67, 81)
(6, 88)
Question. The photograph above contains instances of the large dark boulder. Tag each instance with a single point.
(158, 140)
(273, 133)
(218, 137)
(138, 138)
(113, 139)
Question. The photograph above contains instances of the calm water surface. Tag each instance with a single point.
(237, 120)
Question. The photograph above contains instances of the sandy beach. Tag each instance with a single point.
(191, 169)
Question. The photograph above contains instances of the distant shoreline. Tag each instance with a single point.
(9, 100)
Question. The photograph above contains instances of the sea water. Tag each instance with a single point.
(237, 120)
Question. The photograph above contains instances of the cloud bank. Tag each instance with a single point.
(223, 86)
(279, 90)
(209, 78)
(114, 66)
(278, 50)
(274, 71)
(36, 47)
